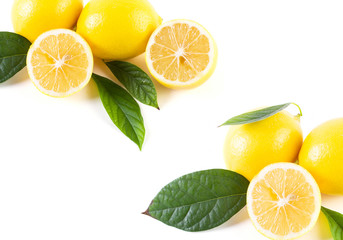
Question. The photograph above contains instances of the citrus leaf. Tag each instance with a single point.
(136, 81)
(201, 200)
(122, 109)
(257, 115)
(13, 51)
(336, 223)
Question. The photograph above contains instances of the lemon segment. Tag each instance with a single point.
(181, 54)
(283, 201)
(60, 63)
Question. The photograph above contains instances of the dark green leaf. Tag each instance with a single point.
(136, 81)
(200, 200)
(336, 223)
(122, 109)
(257, 115)
(13, 51)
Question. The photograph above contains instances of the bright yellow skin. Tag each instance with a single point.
(31, 18)
(118, 29)
(322, 155)
(251, 147)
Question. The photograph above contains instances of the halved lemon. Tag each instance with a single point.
(283, 201)
(181, 54)
(60, 63)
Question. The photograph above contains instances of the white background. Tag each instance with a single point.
(67, 173)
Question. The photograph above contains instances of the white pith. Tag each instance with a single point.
(284, 200)
(180, 53)
(60, 61)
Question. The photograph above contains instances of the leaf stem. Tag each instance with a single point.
(300, 114)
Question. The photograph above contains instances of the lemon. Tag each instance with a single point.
(250, 147)
(118, 29)
(60, 63)
(31, 18)
(322, 155)
(283, 201)
(181, 54)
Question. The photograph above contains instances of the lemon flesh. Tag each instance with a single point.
(322, 155)
(60, 63)
(181, 54)
(118, 29)
(31, 18)
(283, 201)
(250, 147)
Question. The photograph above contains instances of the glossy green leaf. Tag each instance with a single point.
(122, 109)
(336, 223)
(200, 200)
(257, 115)
(13, 51)
(136, 81)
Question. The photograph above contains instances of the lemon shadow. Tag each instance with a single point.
(238, 218)
(91, 90)
(322, 227)
(101, 69)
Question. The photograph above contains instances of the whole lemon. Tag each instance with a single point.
(251, 147)
(322, 155)
(31, 18)
(118, 29)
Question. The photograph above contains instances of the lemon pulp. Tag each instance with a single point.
(60, 63)
(283, 201)
(181, 54)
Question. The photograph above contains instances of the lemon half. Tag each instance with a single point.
(283, 201)
(60, 63)
(181, 54)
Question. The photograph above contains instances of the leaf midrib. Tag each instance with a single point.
(125, 114)
(187, 205)
(146, 92)
(17, 55)
(333, 219)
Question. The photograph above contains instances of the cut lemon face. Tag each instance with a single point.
(60, 63)
(181, 54)
(283, 201)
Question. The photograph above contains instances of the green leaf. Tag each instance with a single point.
(200, 200)
(257, 115)
(122, 109)
(336, 223)
(136, 81)
(13, 51)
